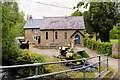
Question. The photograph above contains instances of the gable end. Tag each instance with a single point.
(77, 31)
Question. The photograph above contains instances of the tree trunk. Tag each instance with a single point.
(104, 36)
(96, 37)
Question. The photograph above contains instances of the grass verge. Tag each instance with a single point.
(114, 40)
(69, 75)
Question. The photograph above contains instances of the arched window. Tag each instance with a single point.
(55, 35)
(65, 35)
(46, 35)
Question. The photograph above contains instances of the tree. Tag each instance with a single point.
(101, 17)
(87, 27)
(115, 32)
(12, 23)
(118, 30)
(76, 13)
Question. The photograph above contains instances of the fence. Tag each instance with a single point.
(84, 67)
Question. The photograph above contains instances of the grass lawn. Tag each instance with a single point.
(111, 40)
(114, 40)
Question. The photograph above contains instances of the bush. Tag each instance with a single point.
(27, 57)
(102, 47)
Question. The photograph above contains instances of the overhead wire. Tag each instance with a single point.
(57, 3)
(51, 5)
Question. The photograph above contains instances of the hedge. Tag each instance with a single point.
(102, 47)
(27, 57)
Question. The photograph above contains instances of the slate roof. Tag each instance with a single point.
(34, 23)
(48, 23)
(76, 22)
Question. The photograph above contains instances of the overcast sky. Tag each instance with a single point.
(38, 9)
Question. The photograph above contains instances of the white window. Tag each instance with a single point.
(35, 38)
(34, 30)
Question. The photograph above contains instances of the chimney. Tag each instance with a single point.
(30, 18)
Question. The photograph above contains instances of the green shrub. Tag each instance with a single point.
(27, 57)
(102, 47)
(86, 41)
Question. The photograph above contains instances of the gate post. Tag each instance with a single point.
(99, 65)
(107, 61)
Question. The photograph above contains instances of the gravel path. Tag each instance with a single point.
(48, 53)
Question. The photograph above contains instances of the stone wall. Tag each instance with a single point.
(115, 50)
(29, 36)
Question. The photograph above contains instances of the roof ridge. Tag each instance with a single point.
(61, 16)
(37, 19)
(34, 19)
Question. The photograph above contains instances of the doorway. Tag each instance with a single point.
(78, 40)
(38, 39)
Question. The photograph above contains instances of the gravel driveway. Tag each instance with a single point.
(48, 53)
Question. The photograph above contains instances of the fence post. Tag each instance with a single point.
(107, 61)
(99, 65)
(84, 69)
(36, 70)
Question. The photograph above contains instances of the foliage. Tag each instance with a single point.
(12, 27)
(87, 26)
(115, 32)
(76, 13)
(12, 23)
(102, 47)
(114, 40)
(118, 28)
(101, 24)
(27, 57)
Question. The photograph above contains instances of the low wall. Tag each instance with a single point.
(115, 49)
(49, 47)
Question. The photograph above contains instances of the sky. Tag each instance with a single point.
(38, 9)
